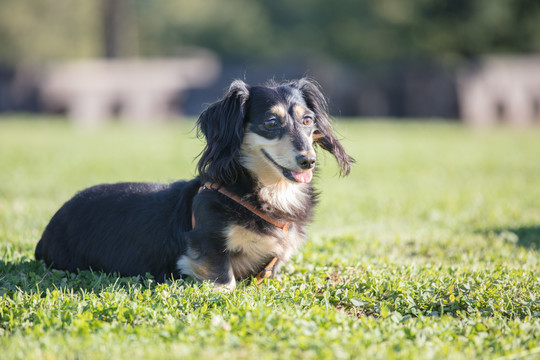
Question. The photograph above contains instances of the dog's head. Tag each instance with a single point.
(269, 131)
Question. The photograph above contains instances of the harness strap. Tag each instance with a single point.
(267, 271)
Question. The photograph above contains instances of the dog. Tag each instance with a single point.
(245, 213)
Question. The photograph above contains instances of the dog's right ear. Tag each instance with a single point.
(222, 125)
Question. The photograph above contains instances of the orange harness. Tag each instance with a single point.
(267, 271)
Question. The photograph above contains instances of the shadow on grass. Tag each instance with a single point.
(31, 275)
(526, 236)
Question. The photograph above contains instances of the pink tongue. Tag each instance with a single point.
(303, 176)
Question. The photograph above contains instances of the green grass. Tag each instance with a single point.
(429, 250)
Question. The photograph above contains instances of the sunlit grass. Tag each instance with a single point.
(429, 249)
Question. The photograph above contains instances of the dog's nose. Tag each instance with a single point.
(306, 161)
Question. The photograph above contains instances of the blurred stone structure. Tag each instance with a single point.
(94, 91)
(490, 91)
(501, 90)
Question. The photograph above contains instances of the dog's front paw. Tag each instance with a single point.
(228, 286)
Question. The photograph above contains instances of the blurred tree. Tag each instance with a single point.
(381, 30)
(37, 30)
(119, 29)
(234, 29)
(347, 30)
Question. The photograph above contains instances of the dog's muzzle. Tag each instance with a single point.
(305, 162)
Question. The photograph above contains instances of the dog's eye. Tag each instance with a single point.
(270, 123)
(307, 120)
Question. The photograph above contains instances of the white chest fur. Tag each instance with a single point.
(284, 196)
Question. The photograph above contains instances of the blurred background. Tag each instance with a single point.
(144, 61)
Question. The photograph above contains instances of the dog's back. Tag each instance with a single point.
(129, 228)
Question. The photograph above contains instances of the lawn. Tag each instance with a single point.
(428, 250)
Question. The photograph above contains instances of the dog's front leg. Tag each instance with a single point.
(206, 262)
(220, 271)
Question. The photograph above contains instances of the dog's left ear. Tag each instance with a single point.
(324, 134)
(222, 124)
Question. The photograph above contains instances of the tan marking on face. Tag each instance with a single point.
(299, 111)
(279, 110)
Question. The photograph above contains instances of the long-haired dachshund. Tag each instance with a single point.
(243, 216)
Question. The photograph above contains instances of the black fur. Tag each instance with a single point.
(222, 125)
(140, 228)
